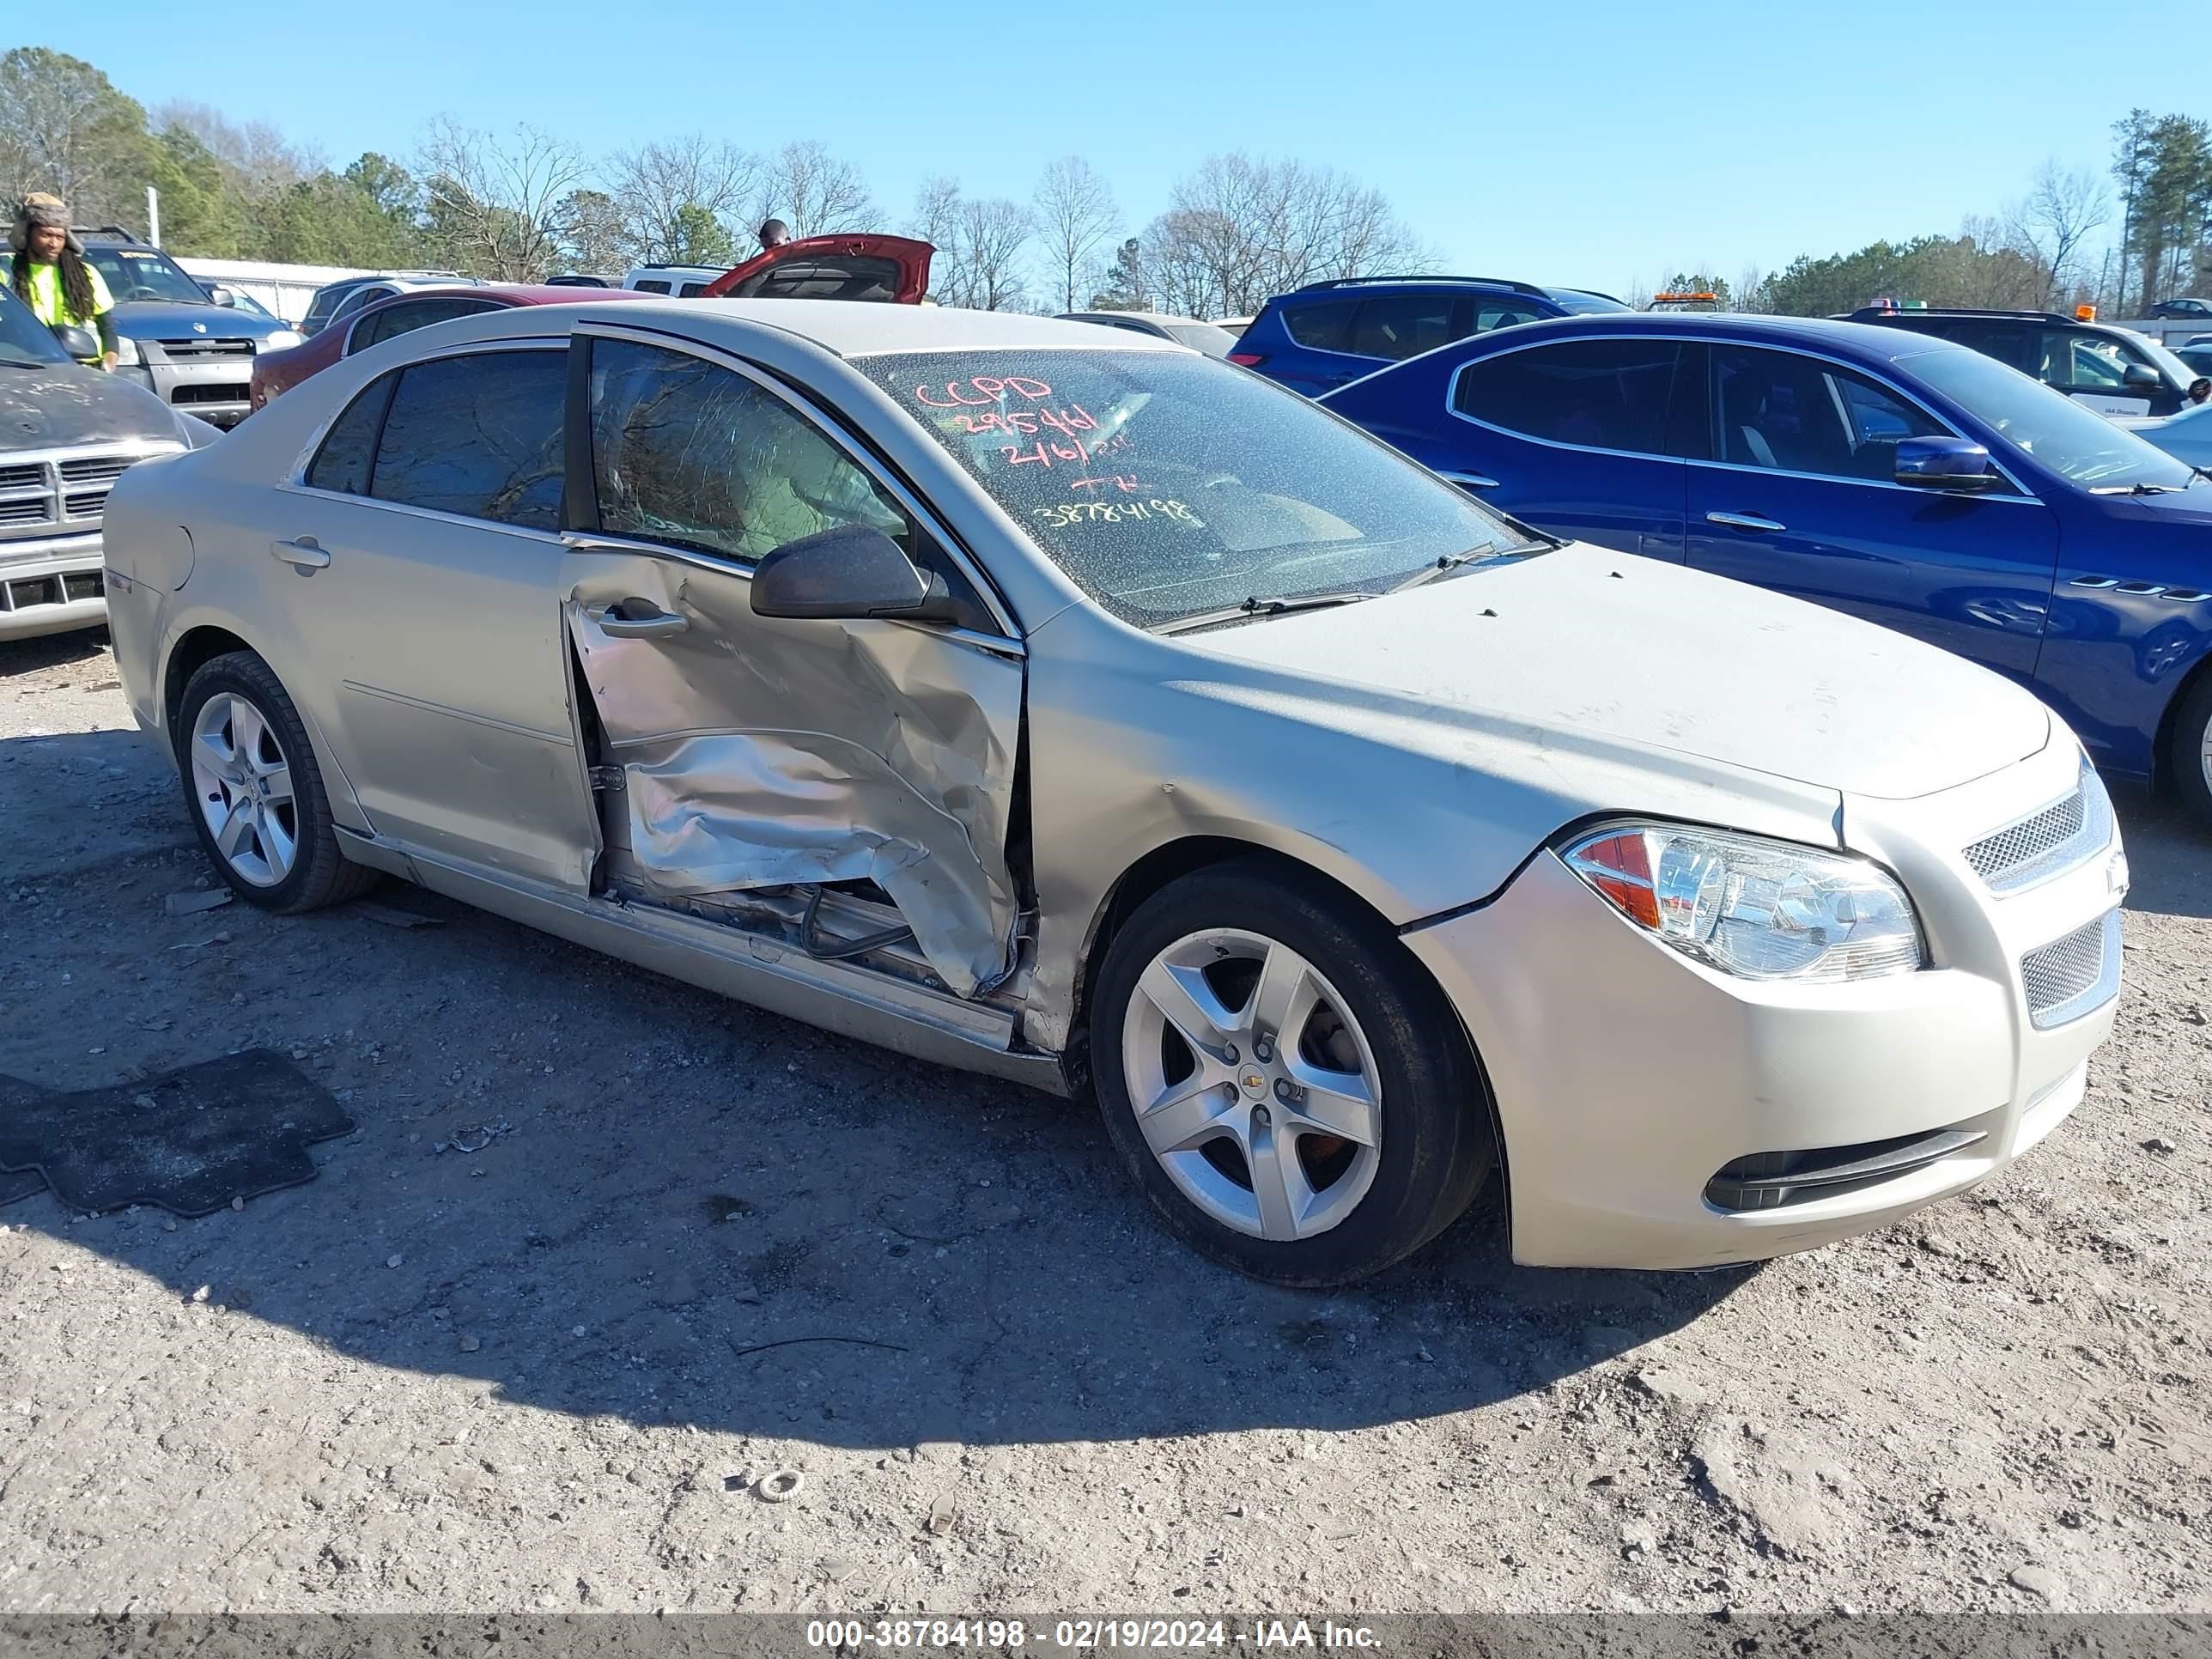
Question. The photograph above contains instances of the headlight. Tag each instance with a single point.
(283, 340)
(126, 352)
(1763, 910)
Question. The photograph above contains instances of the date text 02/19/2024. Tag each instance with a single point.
(1086, 1635)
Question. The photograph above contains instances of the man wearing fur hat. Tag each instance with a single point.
(53, 277)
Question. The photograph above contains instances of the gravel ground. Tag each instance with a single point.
(713, 1244)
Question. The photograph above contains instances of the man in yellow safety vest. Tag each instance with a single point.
(53, 277)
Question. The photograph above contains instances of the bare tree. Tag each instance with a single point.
(655, 183)
(257, 155)
(2063, 210)
(494, 205)
(985, 269)
(1239, 231)
(65, 129)
(813, 192)
(1075, 213)
(936, 221)
(1750, 291)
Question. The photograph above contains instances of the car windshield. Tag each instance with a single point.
(25, 342)
(1170, 486)
(2070, 439)
(2169, 362)
(143, 273)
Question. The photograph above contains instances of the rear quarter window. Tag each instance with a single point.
(343, 463)
(1324, 325)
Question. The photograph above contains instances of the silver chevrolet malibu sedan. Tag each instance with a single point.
(1077, 709)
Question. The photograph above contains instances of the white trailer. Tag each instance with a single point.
(284, 289)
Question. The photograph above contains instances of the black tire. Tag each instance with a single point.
(321, 874)
(2186, 754)
(1437, 1142)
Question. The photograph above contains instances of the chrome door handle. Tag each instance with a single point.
(660, 625)
(302, 555)
(1744, 521)
(1471, 480)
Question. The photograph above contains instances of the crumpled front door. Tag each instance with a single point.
(759, 751)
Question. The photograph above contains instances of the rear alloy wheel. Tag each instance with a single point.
(1292, 1091)
(243, 783)
(2191, 753)
(255, 791)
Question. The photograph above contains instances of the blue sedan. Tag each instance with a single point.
(1906, 480)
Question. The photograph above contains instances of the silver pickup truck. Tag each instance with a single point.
(66, 433)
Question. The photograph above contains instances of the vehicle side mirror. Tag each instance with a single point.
(2141, 375)
(1945, 463)
(222, 297)
(2199, 390)
(850, 572)
(81, 344)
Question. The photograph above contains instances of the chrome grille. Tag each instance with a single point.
(64, 489)
(2048, 842)
(189, 350)
(95, 468)
(2073, 975)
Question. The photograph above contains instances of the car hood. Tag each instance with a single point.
(60, 404)
(170, 319)
(1609, 650)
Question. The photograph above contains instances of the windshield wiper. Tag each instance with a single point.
(1477, 556)
(2140, 489)
(1262, 605)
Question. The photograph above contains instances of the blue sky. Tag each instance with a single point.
(1591, 143)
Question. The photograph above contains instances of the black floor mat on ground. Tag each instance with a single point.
(190, 1140)
(20, 1184)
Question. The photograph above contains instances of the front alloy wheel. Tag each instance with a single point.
(1286, 1083)
(1253, 1083)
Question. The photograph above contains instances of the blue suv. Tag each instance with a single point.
(1903, 479)
(1326, 334)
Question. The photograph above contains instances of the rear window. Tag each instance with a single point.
(1596, 394)
(836, 277)
(478, 435)
(650, 285)
(1323, 325)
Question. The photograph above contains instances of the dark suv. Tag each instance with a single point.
(1327, 334)
(2116, 371)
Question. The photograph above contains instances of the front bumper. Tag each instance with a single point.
(50, 585)
(217, 389)
(1629, 1078)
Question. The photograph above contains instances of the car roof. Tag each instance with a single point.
(1867, 340)
(1352, 287)
(520, 294)
(863, 328)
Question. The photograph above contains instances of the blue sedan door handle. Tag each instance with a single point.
(1745, 521)
(303, 555)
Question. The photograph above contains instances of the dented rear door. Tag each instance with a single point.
(759, 751)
